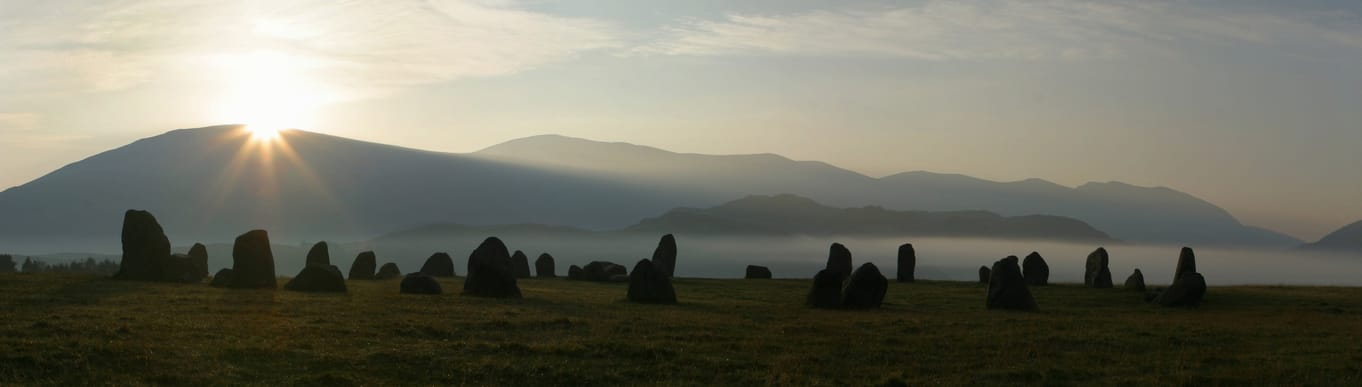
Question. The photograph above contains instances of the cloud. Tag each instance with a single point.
(939, 30)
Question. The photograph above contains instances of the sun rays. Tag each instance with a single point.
(263, 165)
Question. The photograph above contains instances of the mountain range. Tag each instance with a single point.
(1346, 239)
(211, 184)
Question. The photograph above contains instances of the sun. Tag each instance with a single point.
(264, 132)
(269, 92)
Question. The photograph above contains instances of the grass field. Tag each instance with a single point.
(82, 330)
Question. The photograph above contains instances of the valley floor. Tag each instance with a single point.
(83, 330)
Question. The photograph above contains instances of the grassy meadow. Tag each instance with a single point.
(82, 330)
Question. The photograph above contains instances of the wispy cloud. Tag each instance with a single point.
(941, 30)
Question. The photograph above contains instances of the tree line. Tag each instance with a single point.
(30, 265)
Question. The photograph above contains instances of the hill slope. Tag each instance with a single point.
(1346, 239)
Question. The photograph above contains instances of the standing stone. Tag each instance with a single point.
(576, 273)
(1097, 275)
(827, 290)
(199, 255)
(317, 278)
(983, 274)
(490, 271)
(417, 283)
(145, 247)
(1036, 271)
(1007, 288)
(252, 262)
(1187, 290)
(664, 257)
(758, 272)
(866, 288)
(544, 267)
(649, 285)
(388, 271)
(1135, 281)
(363, 267)
(907, 263)
(439, 265)
(521, 264)
(320, 254)
(1186, 263)
(178, 268)
(839, 260)
(222, 278)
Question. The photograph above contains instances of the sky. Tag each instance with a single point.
(1253, 105)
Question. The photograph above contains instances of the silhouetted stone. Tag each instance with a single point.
(490, 271)
(417, 283)
(253, 262)
(222, 278)
(907, 263)
(983, 274)
(1036, 271)
(649, 285)
(438, 265)
(576, 273)
(1097, 274)
(664, 257)
(601, 271)
(827, 290)
(544, 266)
(865, 289)
(179, 268)
(317, 278)
(1187, 290)
(1135, 281)
(388, 271)
(757, 272)
(521, 264)
(1007, 288)
(839, 260)
(199, 255)
(145, 247)
(1186, 263)
(364, 265)
(320, 254)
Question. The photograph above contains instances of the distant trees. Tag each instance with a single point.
(87, 265)
(7, 263)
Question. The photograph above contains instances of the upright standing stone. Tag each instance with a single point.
(866, 288)
(907, 263)
(1097, 274)
(1036, 271)
(544, 266)
(984, 274)
(1186, 263)
(827, 290)
(664, 257)
(490, 273)
(252, 262)
(839, 260)
(521, 264)
(649, 285)
(757, 272)
(1007, 288)
(1135, 281)
(179, 268)
(320, 255)
(199, 255)
(222, 278)
(439, 265)
(1188, 290)
(145, 247)
(387, 271)
(364, 265)
(317, 278)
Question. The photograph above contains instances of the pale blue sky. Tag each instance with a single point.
(1254, 105)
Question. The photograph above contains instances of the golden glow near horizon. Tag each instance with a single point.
(264, 132)
(270, 91)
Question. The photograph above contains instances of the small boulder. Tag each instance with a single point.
(253, 262)
(601, 271)
(664, 257)
(320, 255)
(364, 265)
(544, 266)
(1135, 281)
(649, 285)
(839, 260)
(222, 278)
(388, 271)
(417, 283)
(199, 255)
(490, 271)
(1097, 274)
(317, 278)
(757, 272)
(145, 247)
(438, 265)
(1036, 271)
(907, 263)
(521, 264)
(984, 274)
(576, 273)
(1007, 288)
(827, 290)
(865, 289)
(1188, 291)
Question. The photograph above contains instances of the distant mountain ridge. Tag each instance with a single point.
(1345, 239)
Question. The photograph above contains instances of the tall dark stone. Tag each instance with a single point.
(1007, 288)
(417, 283)
(1036, 271)
(865, 289)
(907, 263)
(839, 260)
(1097, 274)
(320, 254)
(388, 271)
(317, 278)
(1187, 290)
(364, 265)
(664, 257)
(544, 266)
(649, 285)
(1186, 263)
(145, 247)
(252, 262)
(222, 278)
(576, 273)
(827, 290)
(438, 265)
(984, 274)
(490, 271)
(1135, 281)
(521, 264)
(199, 255)
(757, 272)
